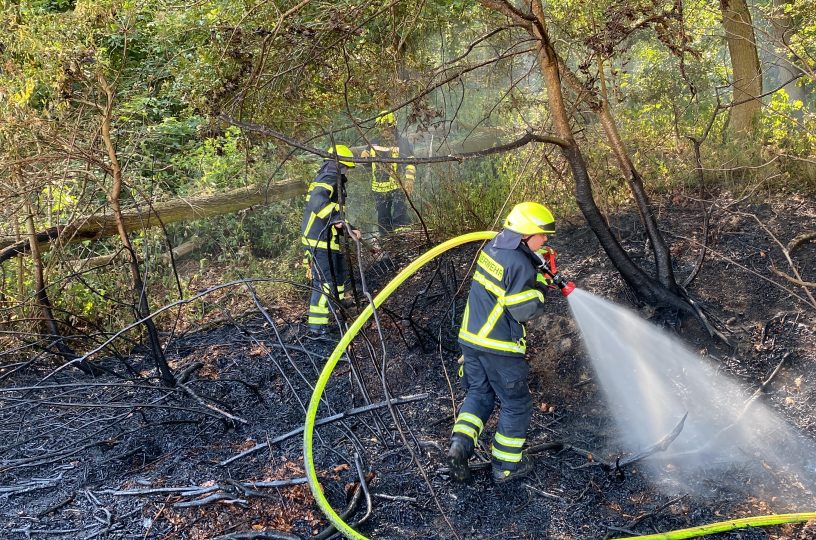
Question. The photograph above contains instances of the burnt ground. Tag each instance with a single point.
(119, 456)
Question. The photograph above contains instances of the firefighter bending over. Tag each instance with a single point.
(320, 230)
(392, 208)
(506, 291)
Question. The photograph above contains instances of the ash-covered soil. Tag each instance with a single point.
(120, 456)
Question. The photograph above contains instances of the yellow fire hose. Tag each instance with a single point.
(320, 386)
(731, 524)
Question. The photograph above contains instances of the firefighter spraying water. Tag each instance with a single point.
(513, 273)
(604, 327)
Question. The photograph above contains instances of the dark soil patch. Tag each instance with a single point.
(72, 445)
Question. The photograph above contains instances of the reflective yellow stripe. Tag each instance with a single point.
(497, 291)
(319, 309)
(506, 456)
(513, 442)
(310, 223)
(488, 343)
(492, 319)
(320, 243)
(391, 183)
(326, 210)
(490, 266)
(318, 320)
(524, 296)
(328, 187)
(466, 430)
(473, 419)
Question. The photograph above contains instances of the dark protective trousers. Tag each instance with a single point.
(329, 276)
(392, 210)
(486, 377)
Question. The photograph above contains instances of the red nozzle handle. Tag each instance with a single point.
(568, 288)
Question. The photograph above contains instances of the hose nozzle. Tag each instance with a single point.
(566, 286)
(548, 269)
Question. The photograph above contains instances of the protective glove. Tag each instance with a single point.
(544, 281)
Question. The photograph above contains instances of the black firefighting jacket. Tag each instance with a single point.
(505, 293)
(322, 209)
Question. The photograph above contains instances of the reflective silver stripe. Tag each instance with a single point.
(513, 442)
(505, 456)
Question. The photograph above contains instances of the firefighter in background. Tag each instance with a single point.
(392, 207)
(320, 229)
(506, 291)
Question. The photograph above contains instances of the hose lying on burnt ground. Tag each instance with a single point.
(729, 525)
(311, 415)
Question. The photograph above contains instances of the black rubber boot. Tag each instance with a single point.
(458, 457)
(502, 474)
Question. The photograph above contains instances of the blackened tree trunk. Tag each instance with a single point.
(647, 288)
(600, 105)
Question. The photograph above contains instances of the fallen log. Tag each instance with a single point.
(182, 209)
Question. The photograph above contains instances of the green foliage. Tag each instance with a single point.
(174, 68)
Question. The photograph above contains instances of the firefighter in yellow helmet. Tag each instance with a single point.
(321, 227)
(506, 291)
(392, 208)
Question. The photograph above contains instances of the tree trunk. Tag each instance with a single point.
(782, 28)
(600, 104)
(645, 287)
(49, 324)
(746, 73)
(20, 265)
(141, 305)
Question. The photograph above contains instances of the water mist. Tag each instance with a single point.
(651, 380)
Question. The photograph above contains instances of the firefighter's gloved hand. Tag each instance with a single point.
(545, 281)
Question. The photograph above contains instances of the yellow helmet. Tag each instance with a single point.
(342, 151)
(386, 119)
(530, 218)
